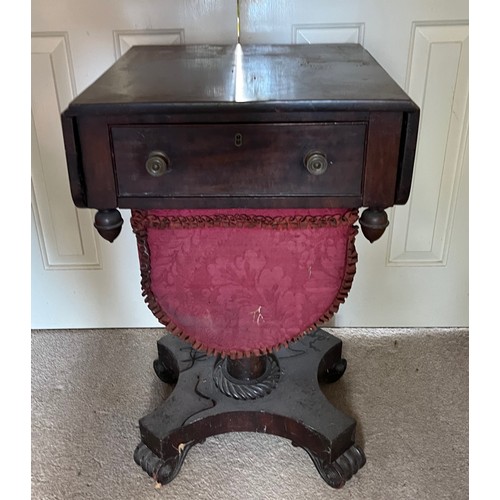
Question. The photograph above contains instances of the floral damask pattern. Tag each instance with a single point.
(247, 286)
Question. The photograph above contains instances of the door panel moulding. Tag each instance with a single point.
(437, 80)
(328, 33)
(65, 234)
(125, 39)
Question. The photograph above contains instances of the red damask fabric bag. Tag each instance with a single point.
(245, 282)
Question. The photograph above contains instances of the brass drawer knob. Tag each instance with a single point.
(158, 164)
(316, 162)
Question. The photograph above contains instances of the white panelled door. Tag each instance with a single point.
(416, 275)
(78, 279)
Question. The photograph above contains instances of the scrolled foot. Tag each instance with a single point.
(165, 373)
(335, 372)
(337, 473)
(162, 471)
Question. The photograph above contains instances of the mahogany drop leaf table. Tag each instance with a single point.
(244, 167)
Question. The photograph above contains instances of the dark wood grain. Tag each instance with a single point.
(285, 100)
(74, 161)
(382, 159)
(408, 147)
(296, 409)
(97, 165)
(187, 77)
(254, 160)
(242, 202)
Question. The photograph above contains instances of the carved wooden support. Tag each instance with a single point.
(108, 223)
(373, 223)
(273, 394)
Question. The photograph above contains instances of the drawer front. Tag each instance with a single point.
(243, 160)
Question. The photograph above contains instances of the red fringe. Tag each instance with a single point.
(142, 219)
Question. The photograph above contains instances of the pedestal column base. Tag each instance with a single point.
(291, 406)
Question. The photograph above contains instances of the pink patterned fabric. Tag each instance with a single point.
(241, 282)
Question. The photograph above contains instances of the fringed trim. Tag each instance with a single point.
(141, 221)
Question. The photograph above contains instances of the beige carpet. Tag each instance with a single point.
(407, 388)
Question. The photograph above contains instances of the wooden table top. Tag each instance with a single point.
(177, 78)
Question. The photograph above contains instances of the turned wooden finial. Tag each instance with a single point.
(108, 223)
(373, 223)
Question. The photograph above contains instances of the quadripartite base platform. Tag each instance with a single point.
(276, 394)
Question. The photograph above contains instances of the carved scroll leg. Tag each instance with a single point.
(165, 372)
(338, 472)
(333, 372)
(202, 405)
(161, 470)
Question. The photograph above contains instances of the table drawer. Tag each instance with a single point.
(239, 160)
